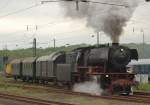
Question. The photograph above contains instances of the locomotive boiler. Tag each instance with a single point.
(113, 57)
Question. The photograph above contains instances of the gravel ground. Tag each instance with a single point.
(79, 100)
(11, 102)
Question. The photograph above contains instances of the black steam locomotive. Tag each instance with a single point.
(107, 63)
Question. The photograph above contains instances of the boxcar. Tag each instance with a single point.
(64, 71)
(16, 68)
(29, 68)
(46, 66)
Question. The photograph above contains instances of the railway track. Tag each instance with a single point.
(36, 101)
(140, 97)
(142, 93)
(31, 100)
(135, 98)
(132, 98)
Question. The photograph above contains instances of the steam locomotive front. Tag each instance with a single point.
(108, 64)
(119, 57)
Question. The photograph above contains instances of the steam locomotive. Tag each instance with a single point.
(106, 62)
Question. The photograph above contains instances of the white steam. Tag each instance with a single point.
(103, 17)
(91, 87)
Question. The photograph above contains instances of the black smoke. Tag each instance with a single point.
(111, 19)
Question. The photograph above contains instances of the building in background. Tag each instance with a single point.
(142, 70)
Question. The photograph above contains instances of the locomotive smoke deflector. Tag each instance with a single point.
(134, 54)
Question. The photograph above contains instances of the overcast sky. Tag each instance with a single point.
(52, 23)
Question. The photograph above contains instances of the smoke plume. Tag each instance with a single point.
(103, 17)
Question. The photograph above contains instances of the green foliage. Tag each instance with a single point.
(143, 87)
(22, 53)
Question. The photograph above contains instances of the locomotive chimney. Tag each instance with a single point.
(115, 44)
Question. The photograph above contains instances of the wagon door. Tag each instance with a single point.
(44, 67)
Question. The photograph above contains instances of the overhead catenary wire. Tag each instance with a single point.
(20, 10)
(85, 1)
(15, 41)
(40, 26)
(5, 5)
(67, 32)
(98, 2)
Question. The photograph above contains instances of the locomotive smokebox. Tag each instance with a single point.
(115, 44)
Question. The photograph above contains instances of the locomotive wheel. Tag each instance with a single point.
(27, 79)
(43, 82)
(55, 81)
(46, 82)
(69, 85)
(104, 82)
(128, 90)
(34, 80)
(117, 89)
(23, 79)
(37, 81)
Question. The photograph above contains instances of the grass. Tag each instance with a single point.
(18, 89)
(143, 87)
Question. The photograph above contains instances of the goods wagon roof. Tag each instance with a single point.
(29, 60)
(42, 58)
(15, 61)
(140, 62)
(51, 57)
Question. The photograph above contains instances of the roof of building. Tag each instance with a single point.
(140, 62)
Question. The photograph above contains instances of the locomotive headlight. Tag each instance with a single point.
(121, 50)
(107, 76)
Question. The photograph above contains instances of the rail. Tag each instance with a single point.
(31, 100)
